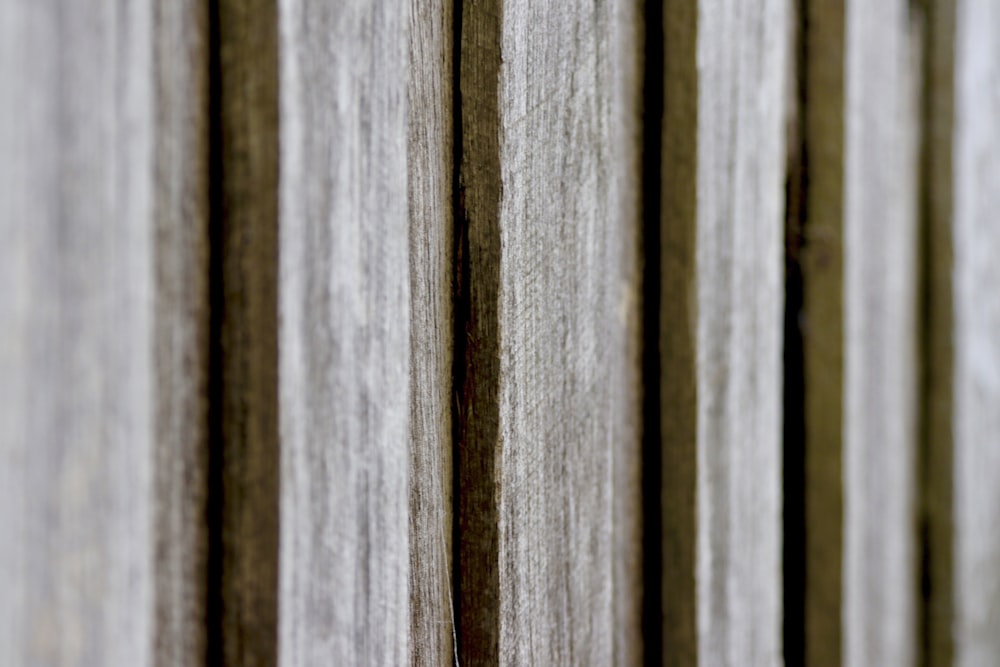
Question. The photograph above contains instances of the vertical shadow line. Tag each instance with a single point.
(652, 535)
(794, 467)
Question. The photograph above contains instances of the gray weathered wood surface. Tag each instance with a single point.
(431, 260)
(721, 313)
(103, 211)
(977, 333)
(549, 190)
(881, 140)
(344, 334)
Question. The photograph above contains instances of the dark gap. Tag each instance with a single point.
(794, 432)
(214, 511)
(461, 310)
(652, 456)
(919, 12)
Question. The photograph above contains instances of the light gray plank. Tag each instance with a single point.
(881, 135)
(344, 331)
(431, 251)
(102, 352)
(549, 181)
(721, 323)
(976, 278)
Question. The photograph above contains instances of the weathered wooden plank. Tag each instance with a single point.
(103, 210)
(721, 315)
(344, 351)
(883, 44)
(976, 276)
(548, 192)
(431, 168)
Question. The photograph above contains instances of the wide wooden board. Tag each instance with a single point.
(344, 333)
(548, 194)
(103, 373)
(883, 46)
(721, 323)
(976, 275)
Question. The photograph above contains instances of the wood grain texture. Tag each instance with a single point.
(103, 210)
(883, 44)
(431, 169)
(976, 278)
(344, 352)
(721, 323)
(549, 184)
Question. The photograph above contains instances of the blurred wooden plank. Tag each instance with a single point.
(431, 252)
(977, 333)
(936, 421)
(860, 330)
(821, 327)
(721, 324)
(549, 180)
(883, 43)
(344, 351)
(103, 211)
(246, 256)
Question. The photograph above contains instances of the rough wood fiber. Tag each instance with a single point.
(344, 353)
(549, 183)
(248, 334)
(881, 135)
(431, 251)
(102, 352)
(976, 278)
(721, 323)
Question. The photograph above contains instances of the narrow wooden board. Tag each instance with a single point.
(821, 326)
(344, 333)
(244, 574)
(103, 211)
(937, 536)
(721, 324)
(432, 265)
(976, 278)
(549, 181)
(883, 44)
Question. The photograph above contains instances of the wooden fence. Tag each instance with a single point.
(377, 332)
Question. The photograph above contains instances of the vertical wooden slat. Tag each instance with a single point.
(431, 259)
(721, 323)
(548, 194)
(860, 330)
(821, 326)
(244, 626)
(937, 407)
(103, 210)
(976, 276)
(344, 333)
(881, 135)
